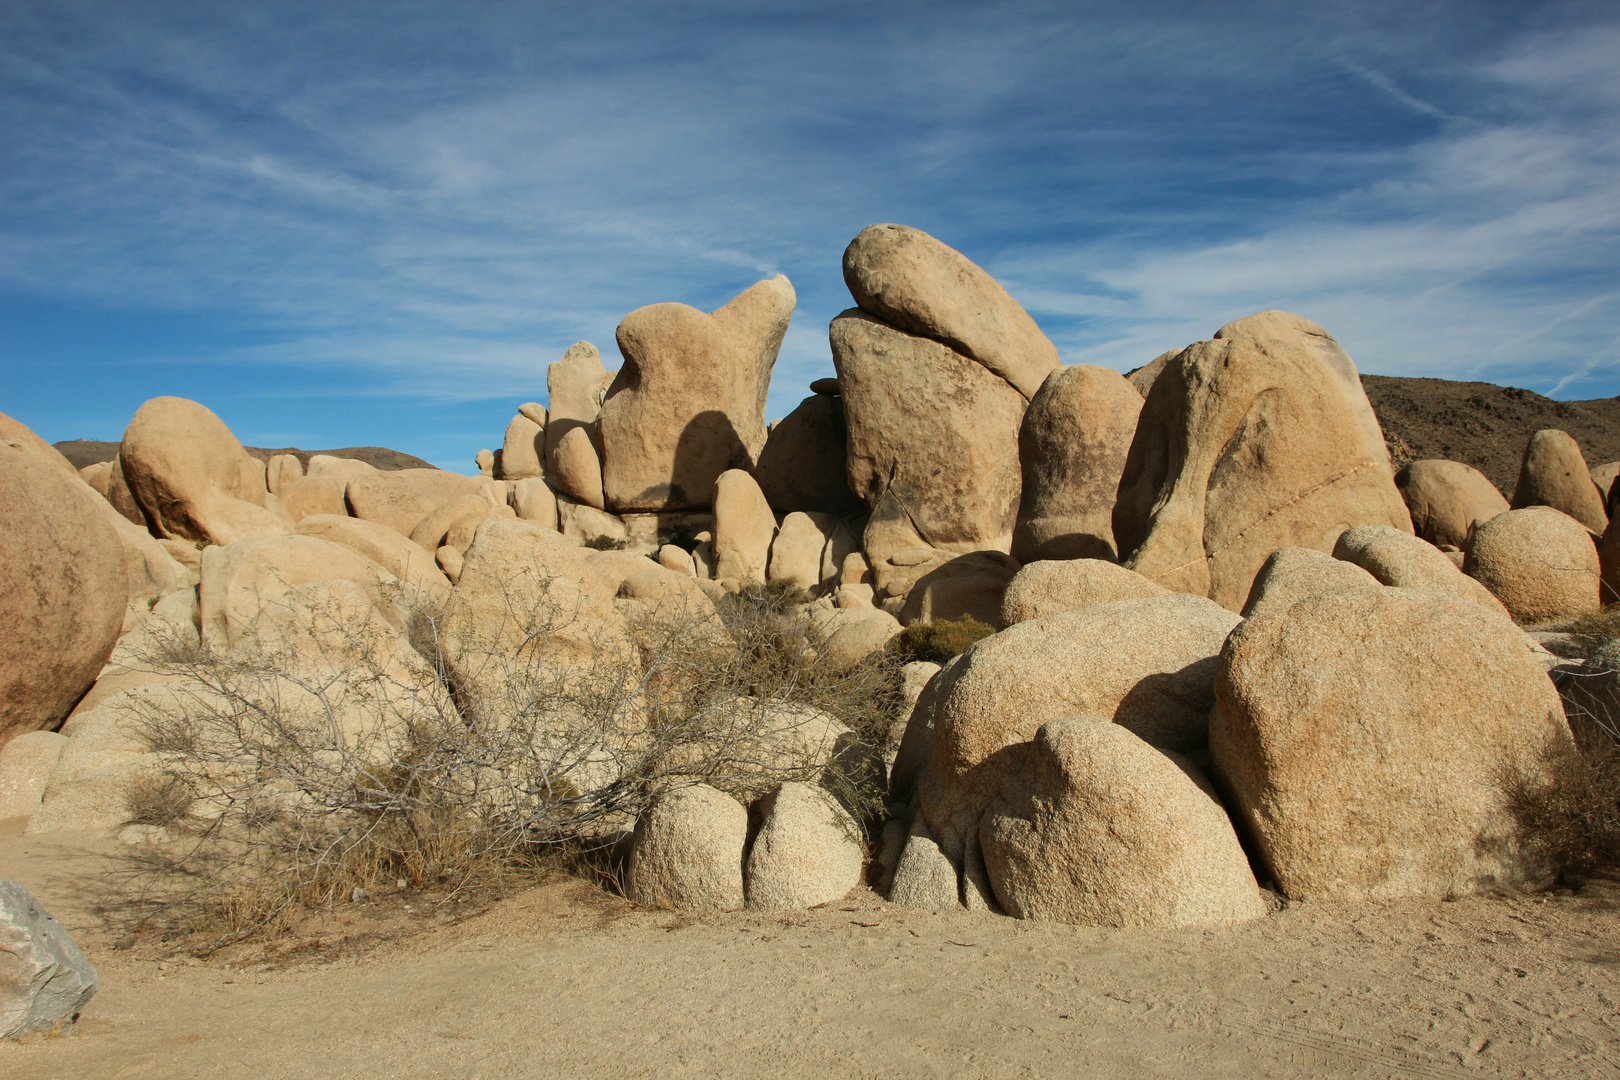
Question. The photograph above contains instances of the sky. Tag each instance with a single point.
(376, 224)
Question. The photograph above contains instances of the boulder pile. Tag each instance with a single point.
(1236, 656)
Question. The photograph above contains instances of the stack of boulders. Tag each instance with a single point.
(1234, 649)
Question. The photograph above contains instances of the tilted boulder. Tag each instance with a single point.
(401, 499)
(1540, 562)
(1051, 586)
(1143, 377)
(576, 467)
(912, 281)
(48, 980)
(1554, 473)
(807, 851)
(1602, 475)
(192, 478)
(1445, 498)
(743, 528)
(521, 449)
(535, 501)
(1293, 574)
(63, 584)
(1101, 829)
(1073, 444)
(1400, 559)
(933, 439)
(851, 635)
(687, 852)
(689, 402)
(1258, 440)
(400, 556)
(1367, 739)
(577, 385)
(804, 465)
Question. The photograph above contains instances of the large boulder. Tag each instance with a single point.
(912, 281)
(1258, 440)
(1072, 445)
(689, 402)
(807, 851)
(1146, 664)
(971, 585)
(246, 584)
(1101, 829)
(1540, 562)
(1400, 559)
(192, 478)
(1051, 586)
(521, 449)
(63, 583)
(687, 852)
(743, 528)
(576, 467)
(1445, 498)
(1554, 473)
(577, 385)
(933, 439)
(804, 464)
(401, 499)
(796, 553)
(48, 981)
(106, 755)
(1367, 740)
(1293, 574)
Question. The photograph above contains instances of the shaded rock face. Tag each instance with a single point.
(804, 464)
(63, 584)
(1073, 444)
(1540, 562)
(1102, 829)
(1365, 738)
(191, 477)
(933, 439)
(46, 980)
(910, 280)
(971, 585)
(1554, 473)
(1445, 498)
(687, 852)
(689, 402)
(1247, 444)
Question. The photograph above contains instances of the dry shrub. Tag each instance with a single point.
(339, 753)
(1598, 626)
(937, 642)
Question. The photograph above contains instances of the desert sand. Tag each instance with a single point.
(562, 979)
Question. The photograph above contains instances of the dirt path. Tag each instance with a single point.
(561, 981)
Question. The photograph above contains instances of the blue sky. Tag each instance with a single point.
(353, 223)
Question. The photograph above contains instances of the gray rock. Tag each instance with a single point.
(806, 852)
(688, 851)
(924, 877)
(45, 981)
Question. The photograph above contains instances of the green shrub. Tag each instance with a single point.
(606, 543)
(937, 642)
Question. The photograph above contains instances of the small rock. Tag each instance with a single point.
(47, 980)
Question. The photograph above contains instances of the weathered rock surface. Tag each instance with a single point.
(1397, 558)
(429, 532)
(577, 385)
(400, 556)
(687, 852)
(522, 448)
(281, 470)
(48, 981)
(576, 467)
(1293, 574)
(25, 765)
(933, 439)
(1540, 562)
(850, 635)
(1365, 738)
(401, 499)
(972, 584)
(1073, 444)
(1143, 377)
(804, 465)
(1247, 444)
(912, 281)
(1445, 498)
(245, 585)
(924, 877)
(1051, 586)
(313, 495)
(1554, 473)
(689, 402)
(796, 552)
(807, 850)
(535, 501)
(1101, 829)
(191, 477)
(63, 583)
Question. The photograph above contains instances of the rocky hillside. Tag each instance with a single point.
(82, 452)
(1485, 425)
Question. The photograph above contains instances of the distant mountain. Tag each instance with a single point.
(1485, 425)
(82, 452)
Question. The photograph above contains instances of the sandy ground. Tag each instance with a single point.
(562, 980)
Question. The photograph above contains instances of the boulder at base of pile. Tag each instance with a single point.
(807, 851)
(687, 852)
